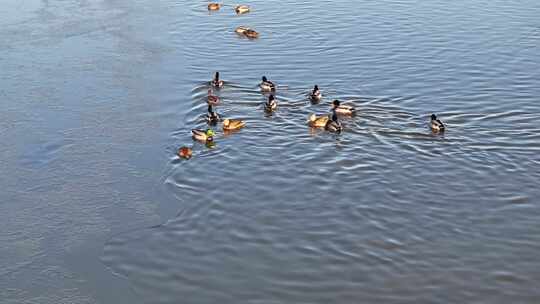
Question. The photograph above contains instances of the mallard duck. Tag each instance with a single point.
(315, 95)
(185, 152)
(203, 135)
(271, 104)
(216, 82)
(436, 124)
(233, 124)
(241, 29)
(214, 6)
(343, 109)
(333, 124)
(266, 85)
(317, 121)
(212, 117)
(241, 9)
(251, 34)
(212, 99)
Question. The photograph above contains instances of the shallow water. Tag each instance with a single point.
(98, 95)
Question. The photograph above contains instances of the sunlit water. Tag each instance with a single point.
(98, 95)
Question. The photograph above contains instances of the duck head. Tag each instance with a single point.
(216, 76)
(264, 79)
(312, 117)
(226, 122)
(271, 98)
(210, 134)
(433, 117)
(335, 103)
(315, 88)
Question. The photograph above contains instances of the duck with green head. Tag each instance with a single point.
(203, 135)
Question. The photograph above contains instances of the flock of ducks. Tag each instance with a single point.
(239, 9)
(329, 122)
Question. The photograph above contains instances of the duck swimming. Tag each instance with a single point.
(214, 6)
(342, 109)
(333, 124)
(212, 99)
(212, 117)
(315, 95)
(436, 124)
(241, 29)
(266, 85)
(241, 9)
(271, 104)
(203, 135)
(185, 152)
(317, 121)
(251, 34)
(216, 82)
(233, 124)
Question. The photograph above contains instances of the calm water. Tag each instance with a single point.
(97, 96)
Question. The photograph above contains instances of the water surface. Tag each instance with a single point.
(99, 95)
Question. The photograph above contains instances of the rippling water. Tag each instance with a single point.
(277, 212)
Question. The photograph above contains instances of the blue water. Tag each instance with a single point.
(97, 96)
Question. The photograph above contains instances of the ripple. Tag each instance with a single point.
(279, 212)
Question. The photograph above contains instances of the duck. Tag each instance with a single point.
(203, 135)
(233, 124)
(185, 152)
(315, 95)
(251, 34)
(216, 82)
(241, 9)
(343, 109)
(333, 124)
(271, 104)
(436, 124)
(212, 99)
(318, 121)
(213, 6)
(241, 29)
(212, 117)
(266, 85)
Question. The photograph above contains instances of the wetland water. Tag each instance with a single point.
(97, 96)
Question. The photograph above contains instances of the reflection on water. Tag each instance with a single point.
(277, 211)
